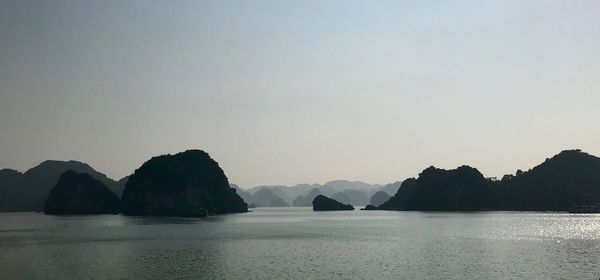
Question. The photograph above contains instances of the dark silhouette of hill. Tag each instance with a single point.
(28, 191)
(79, 193)
(190, 183)
(323, 203)
(246, 196)
(390, 189)
(567, 180)
(14, 192)
(400, 200)
(379, 198)
(369, 207)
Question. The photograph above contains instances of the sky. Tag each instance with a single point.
(287, 92)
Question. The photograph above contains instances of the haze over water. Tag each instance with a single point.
(297, 243)
(279, 92)
(288, 92)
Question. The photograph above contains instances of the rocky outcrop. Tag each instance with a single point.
(461, 189)
(323, 203)
(562, 183)
(29, 191)
(80, 194)
(568, 179)
(190, 183)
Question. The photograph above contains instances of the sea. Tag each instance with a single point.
(298, 243)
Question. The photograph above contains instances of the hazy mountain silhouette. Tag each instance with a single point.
(323, 203)
(390, 189)
(267, 198)
(263, 197)
(306, 199)
(246, 196)
(567, 180)
(28, 191)
(352, 197)
(379, 198)
(291, 193)
(190, 183)
(79, 193)
(287, 193)
(278, 202)
(342, 185)
(299, 201)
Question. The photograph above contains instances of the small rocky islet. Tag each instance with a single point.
(323, 203)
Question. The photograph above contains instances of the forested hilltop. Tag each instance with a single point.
(564, 182)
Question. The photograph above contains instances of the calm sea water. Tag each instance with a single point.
(297, 243)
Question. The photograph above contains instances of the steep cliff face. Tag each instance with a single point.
(323, 203)
(190, 183)
(79, 194)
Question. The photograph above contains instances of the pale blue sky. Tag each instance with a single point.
(285, 92)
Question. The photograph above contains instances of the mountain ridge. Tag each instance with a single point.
(563, 182)
(29, 190)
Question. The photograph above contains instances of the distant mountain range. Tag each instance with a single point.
(28, 191)
(348, 192)
(566, 182)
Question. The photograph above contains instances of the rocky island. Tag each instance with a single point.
(567, 182)
(29, 191)
(80, 194)
(323, 203)
(189, 184)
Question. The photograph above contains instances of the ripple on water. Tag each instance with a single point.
(297, 243)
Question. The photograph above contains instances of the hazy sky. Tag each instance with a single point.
(285, 92)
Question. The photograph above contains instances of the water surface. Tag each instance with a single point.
(297, 243)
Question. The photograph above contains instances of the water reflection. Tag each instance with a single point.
(297, 243)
